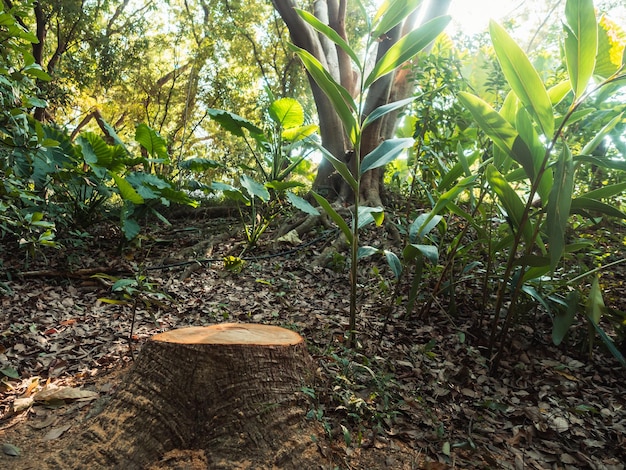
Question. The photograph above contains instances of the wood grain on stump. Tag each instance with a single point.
(229, 390)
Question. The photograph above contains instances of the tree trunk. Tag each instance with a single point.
(227, 391)
(387, 89)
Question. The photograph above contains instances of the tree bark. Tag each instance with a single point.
(392, 87)
(228, 391)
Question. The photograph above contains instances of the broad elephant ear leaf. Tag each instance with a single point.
(232, 122)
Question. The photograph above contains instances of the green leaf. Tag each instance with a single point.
(366, 252)
(130, 228)
(611, 41)
(385, 109)
(599, 137)
(412, 250)
(255, 188)
(302, 204)
(198, 164)
(606, 191)
(595, 303)
(334, 216)
(127, 192)
(581, 205)
(581, 43)
(394, 263)
(341, 168)
(523, 78)
(287, 113)
(330, 34)
(608, 342)
(563, 320)
(367, 215)
(341, 100)
(294, 134)
(559, 204)
(391, 13)
(406, 48)
(10, 372)
(422, 225)
(559, 91)
(510, 200)
(233, 123)
(152, 141)
(499, 130)
(386, 152)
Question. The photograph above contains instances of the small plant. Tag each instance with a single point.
(349, 110)
(277, 153)
(135, 292)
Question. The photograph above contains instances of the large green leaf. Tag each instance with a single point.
(127, 192)
(523, 78)
(499, 130)
(407, 47)
(302, 204)
(599, 137)
(563, 320)
(341, 168)
(581, 43)
(386, 152)
(330, 34)
(606, 191)
(294, 134)
(559, 204)
(341, 100)
(510, 201)
(233, 123)
(287, 113)
(152, 141)
(412, 250)
(537, 152)
(255, 188)
(394, 263)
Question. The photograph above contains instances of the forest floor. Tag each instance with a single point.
(414, 393)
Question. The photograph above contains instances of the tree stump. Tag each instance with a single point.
(228, 390)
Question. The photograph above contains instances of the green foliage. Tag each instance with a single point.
(277, 151)
(388, 15)
(133, 292)
(535, 143)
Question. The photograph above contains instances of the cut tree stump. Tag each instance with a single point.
(229, 391)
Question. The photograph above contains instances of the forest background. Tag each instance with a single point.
(496, 171)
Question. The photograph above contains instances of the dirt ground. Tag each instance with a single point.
(415, 393)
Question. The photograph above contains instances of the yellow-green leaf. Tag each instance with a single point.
(581, 43)
(523, 78)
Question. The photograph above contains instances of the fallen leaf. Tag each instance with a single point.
(21, 404)
(11, 450)
(64, 393)
(56, 432)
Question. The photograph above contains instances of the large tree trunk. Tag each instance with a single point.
(229, 392)
(387, 89)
